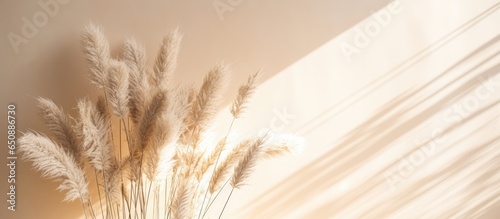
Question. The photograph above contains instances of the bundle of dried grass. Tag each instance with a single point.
(164, 128)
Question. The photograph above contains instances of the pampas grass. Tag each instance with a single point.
(62, 129)
(203, 107)
(96, 50)
(166, 60)
(244, 93)
(117, 87)
(55, 163)
(134, 56)
(171, 163)
(94, 134)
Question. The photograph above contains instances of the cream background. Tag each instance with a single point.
(359, 117)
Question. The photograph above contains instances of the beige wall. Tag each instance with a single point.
(361, 114)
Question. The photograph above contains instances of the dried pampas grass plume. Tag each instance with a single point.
(55, 163)
(94, 131)
(283, 144)
(181, 202)
(150, 118)
(166, 61)
(204, 106)
(102, 109)
(244, 93)
(135, 58)
(117, 87)
(113, 184)
(60, 125)
(159, 155)
(206, 163)
(247, 163)
(134, 55)
(96, 50)
(223, 171)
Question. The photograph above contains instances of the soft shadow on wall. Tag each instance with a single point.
(367, 141)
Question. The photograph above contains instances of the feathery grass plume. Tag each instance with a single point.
(103, 110)
(205, 104)
(151, 117)
(282, 144)
(207, 162)
(166, 61)
(178, 109)
(185, 157)
(94, 131)
(134, 56)
(191, 95)
(96, 50)
(159, 155)
(247, 164)
(182, 200)
(160, 162)
(126, 168)
(244, 93)
(133, 160)
(61, 127)
(55, 163)
(117, 87)
(145, 129)
(223, 170)
(182, 157)
(184, 137)
(113, 185)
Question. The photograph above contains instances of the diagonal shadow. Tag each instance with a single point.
(393, 73)
(353, 164)
(426, 184)
(476, 187)
(294, 190)
(365, 129)
(376, 180)
(407, 97)
(330, 208)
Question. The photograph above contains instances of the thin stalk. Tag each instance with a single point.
(108, 202)
(98, 190)
(126, 133)
(126, 201)
(157, 194)
(121, 174)
(166, 199)
(112, 135)
(215, 167)
(139, 188)
(132, 190)
(174, 186)
(143, 198)
(109, 125)
(92, 213)
(217, 195)
(232, 189)
(147, 200)
(84, 210)
(118, 211)
(154, 202)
